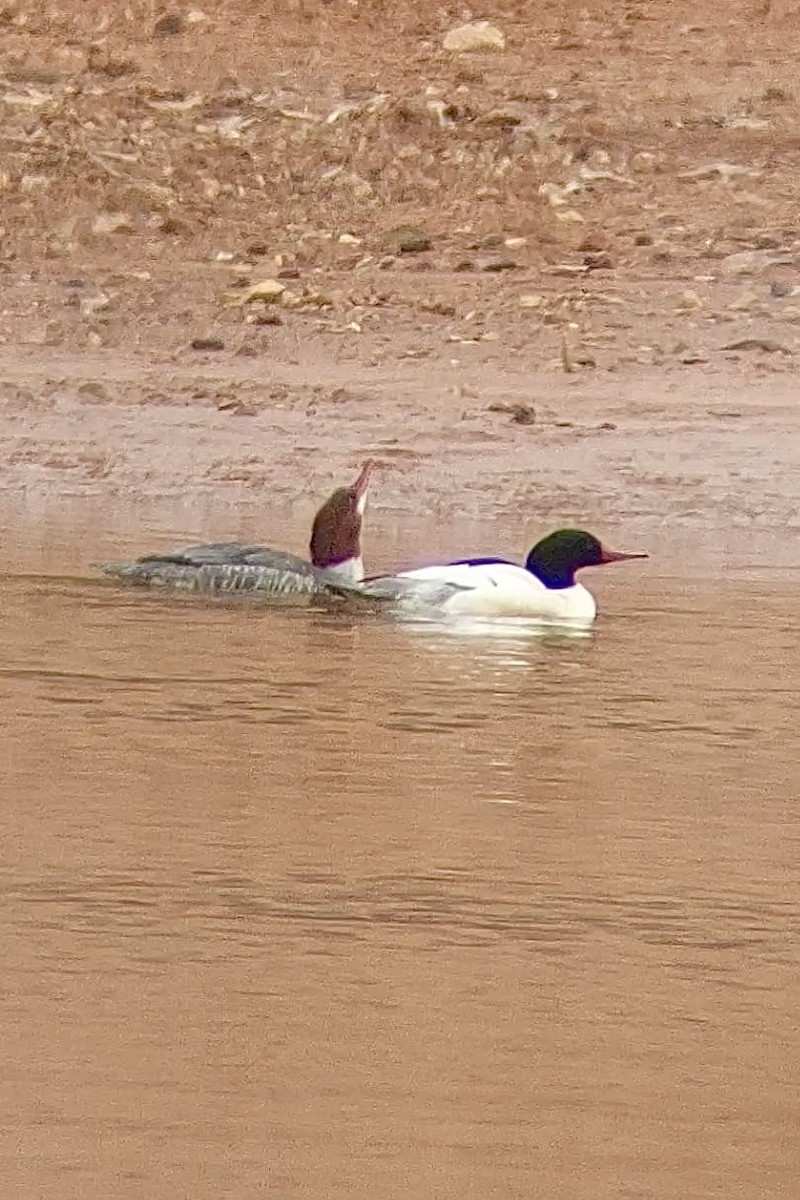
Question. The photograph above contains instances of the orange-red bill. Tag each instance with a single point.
(610, 556)
(363, 481)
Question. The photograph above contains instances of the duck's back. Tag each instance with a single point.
(221, 567)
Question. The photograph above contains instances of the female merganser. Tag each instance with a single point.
(232, 567)
(544, 589)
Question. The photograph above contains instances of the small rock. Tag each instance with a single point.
(506, 117)
(94, 391)
(268, 290)
(593, 243)
(748, 262)
(90, 305)
(521, 414)
(500, 264)
(442, 308)
(172, 227)
(341, 180)
(531, 301)
(779, 288)
(445, 115)
(292, 300)
(601, 261)
(33, 183)
(752, 123)
(465, 264)
(643, 239)
(267, 318)
(745, 302)
(643, 161)
(240, 408)
(719, 170)
(768, 345)
(477, 35)
(169, 25)
(567, 269)
(314, 299)
(407, 239)
(686, 300)
(207, 343)
(112, 222)
(492, 241)
(554, 193)
(767, 241)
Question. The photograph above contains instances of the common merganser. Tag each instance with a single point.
(543, 590)
(220, 567)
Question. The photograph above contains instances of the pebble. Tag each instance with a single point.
(599, 261)
(745, 302)
(112, 222)
(268, 290)
(747, 262)
(476, 35)
(768, 345)
(407, 239)
(169, 25)
(500, 264)
(521, 414)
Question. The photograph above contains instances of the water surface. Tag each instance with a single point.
(301, 906)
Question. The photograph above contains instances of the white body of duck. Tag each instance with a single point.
(544, 590)
(230, 567)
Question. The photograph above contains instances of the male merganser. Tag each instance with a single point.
(544, 589)
(232, 567)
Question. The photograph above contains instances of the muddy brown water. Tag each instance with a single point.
(306, 906)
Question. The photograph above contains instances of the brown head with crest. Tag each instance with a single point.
(336, 532)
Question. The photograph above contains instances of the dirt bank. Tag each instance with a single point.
(556, 277)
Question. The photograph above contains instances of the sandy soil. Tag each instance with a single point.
(559, 277)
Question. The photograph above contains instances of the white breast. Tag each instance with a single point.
(505, 590)
(349, 571)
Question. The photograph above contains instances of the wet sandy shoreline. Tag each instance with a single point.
(715, 449)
